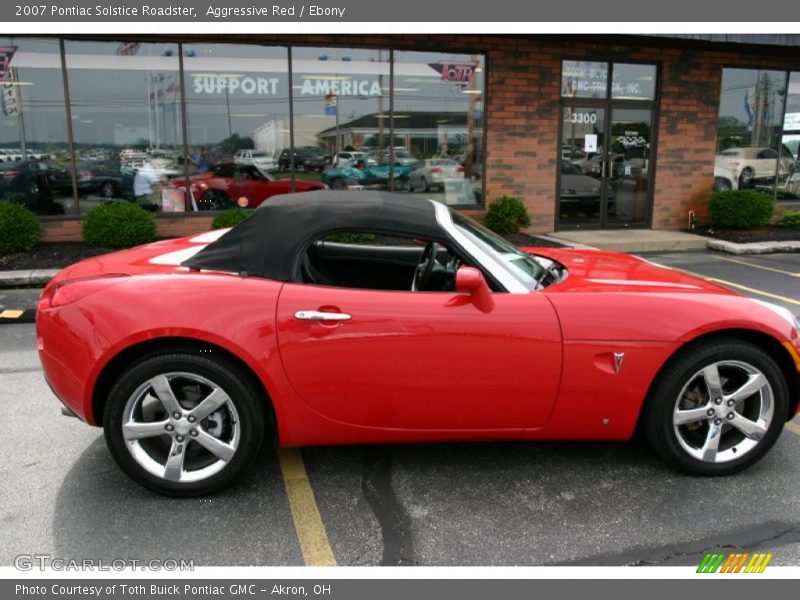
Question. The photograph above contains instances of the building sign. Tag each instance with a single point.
(225, 84)
(583, 79)
(9, 94)
(791, 121)
(457, 74)
(341, 87)
(330, 104)
(209, 83)
(6, 54)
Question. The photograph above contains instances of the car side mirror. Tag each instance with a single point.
(471, 281)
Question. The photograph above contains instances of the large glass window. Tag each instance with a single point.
(749, 149)
(126, 120)
(790, 142)
(439, 123)
(234, 122)
(34, 159)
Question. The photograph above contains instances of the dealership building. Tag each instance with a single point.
(590, 132)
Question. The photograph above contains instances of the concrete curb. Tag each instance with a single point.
(26, 278)
(754, 247)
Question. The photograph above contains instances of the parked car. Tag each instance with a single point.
(258, 158)
(433, 173)
(304, 160)
(347, 177)
(35, 181)
(226, 184)
(401, 157)
(351, 159)
(725, 179)
(592, 165)
(753, 163)
(104, 179)
(187, 351)
(581, 193)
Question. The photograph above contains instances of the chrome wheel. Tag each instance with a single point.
(181, 427)
(723, 411)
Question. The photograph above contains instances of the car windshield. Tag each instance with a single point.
(523, 267)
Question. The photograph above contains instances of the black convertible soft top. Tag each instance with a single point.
(270, 242)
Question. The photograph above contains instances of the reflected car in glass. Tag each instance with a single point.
(750, 165)
(227, 185)
(433, 173)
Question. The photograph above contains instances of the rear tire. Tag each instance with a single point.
(213, 200)
(746, 178)
(693, 431)
(203, 450)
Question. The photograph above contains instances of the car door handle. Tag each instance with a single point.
(316, 315)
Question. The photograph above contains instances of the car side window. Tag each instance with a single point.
(374, 261)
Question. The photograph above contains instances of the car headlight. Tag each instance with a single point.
(781, 311)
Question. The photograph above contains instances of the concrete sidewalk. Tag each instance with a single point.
(633, 240)
(26, 278)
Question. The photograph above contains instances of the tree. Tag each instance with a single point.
(231, 144)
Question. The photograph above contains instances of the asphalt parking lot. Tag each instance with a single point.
(432, 504)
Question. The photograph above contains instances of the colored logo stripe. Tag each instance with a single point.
(733, 563)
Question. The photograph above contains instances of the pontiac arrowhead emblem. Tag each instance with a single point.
(618, 356)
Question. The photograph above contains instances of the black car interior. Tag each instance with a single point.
(380, 264)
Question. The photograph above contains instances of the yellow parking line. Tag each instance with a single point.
(751, 290)
(308, 523)
(11, 314)
(793, 427)
(755, 266)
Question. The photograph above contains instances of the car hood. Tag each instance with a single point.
(633, 299)
(597, 271)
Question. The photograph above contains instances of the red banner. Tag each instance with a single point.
(6, 54)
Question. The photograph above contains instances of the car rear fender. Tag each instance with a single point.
(145, 344)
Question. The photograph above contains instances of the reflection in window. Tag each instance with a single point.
(748, 137)
(34, 160)
(439, 123)
(790, 143)
(237, 103)
(633, 82)
(126, 120)
(341, 116)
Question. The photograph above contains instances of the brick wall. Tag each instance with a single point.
(70, 230)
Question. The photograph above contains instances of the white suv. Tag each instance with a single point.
(258, 158)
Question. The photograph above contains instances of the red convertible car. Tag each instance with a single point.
(427, 328)
(228, 184)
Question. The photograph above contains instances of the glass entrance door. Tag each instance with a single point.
(605, 166)
(581, 165)
(628, 176)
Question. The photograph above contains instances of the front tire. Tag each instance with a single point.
(182, 424)
(717, 408)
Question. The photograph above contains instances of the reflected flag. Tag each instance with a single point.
(128, 48)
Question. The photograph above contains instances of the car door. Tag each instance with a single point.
(420, 360)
